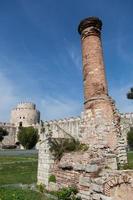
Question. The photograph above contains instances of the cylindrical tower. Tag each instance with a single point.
(25, 114)
(93, 66)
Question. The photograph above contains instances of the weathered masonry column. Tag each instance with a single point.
(92, 55)
(100, 121)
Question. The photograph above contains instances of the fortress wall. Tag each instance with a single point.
(72, 125)
(63, 127)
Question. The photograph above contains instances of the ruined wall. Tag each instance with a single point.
(46, 161)
(10, 138)
(94, 174)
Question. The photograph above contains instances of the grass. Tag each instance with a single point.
(18, 169)
(19, 194)
(23, 169)
(130, 159)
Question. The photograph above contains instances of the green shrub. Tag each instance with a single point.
(59, 146)
(41, 187)
(67, 194)
(83, 147)
(52, 178)
(130, 138)
(28, 137)
(124, 166)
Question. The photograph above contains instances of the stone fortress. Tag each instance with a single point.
(24, 114)
(29, 116)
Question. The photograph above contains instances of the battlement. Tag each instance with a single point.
(65, 120)
(25, 105)
(126, 115)
(5, 124)
(62, 127)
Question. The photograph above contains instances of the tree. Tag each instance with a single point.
(130, 138)
(130, 94)
(28, 137)
(3, 133)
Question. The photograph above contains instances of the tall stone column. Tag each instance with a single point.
(100, 121)
(93, 65)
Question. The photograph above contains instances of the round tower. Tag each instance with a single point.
(25, 114)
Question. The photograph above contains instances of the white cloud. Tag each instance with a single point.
(57, 108)
(7, 97)
(74, 54)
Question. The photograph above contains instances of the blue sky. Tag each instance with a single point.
(40, 53)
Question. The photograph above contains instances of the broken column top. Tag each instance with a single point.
(94, 22)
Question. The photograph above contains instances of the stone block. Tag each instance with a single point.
(91, 168)
(103, 197)
(65, 165)
(79, 167)
(96, 188)
(84, 181)
(96, 196)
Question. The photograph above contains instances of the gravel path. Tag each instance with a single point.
(18, 152)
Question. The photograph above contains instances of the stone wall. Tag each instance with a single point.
(44, 165)
(11, 137)
(73, 126)
(94, 174)
(64, 127)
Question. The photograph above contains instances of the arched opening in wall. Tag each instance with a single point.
(119, 188)
(20, 124)
(17, 143)
(121, 192)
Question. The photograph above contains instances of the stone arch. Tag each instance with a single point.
(118, 185)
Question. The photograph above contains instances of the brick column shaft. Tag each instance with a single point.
(93, 66)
